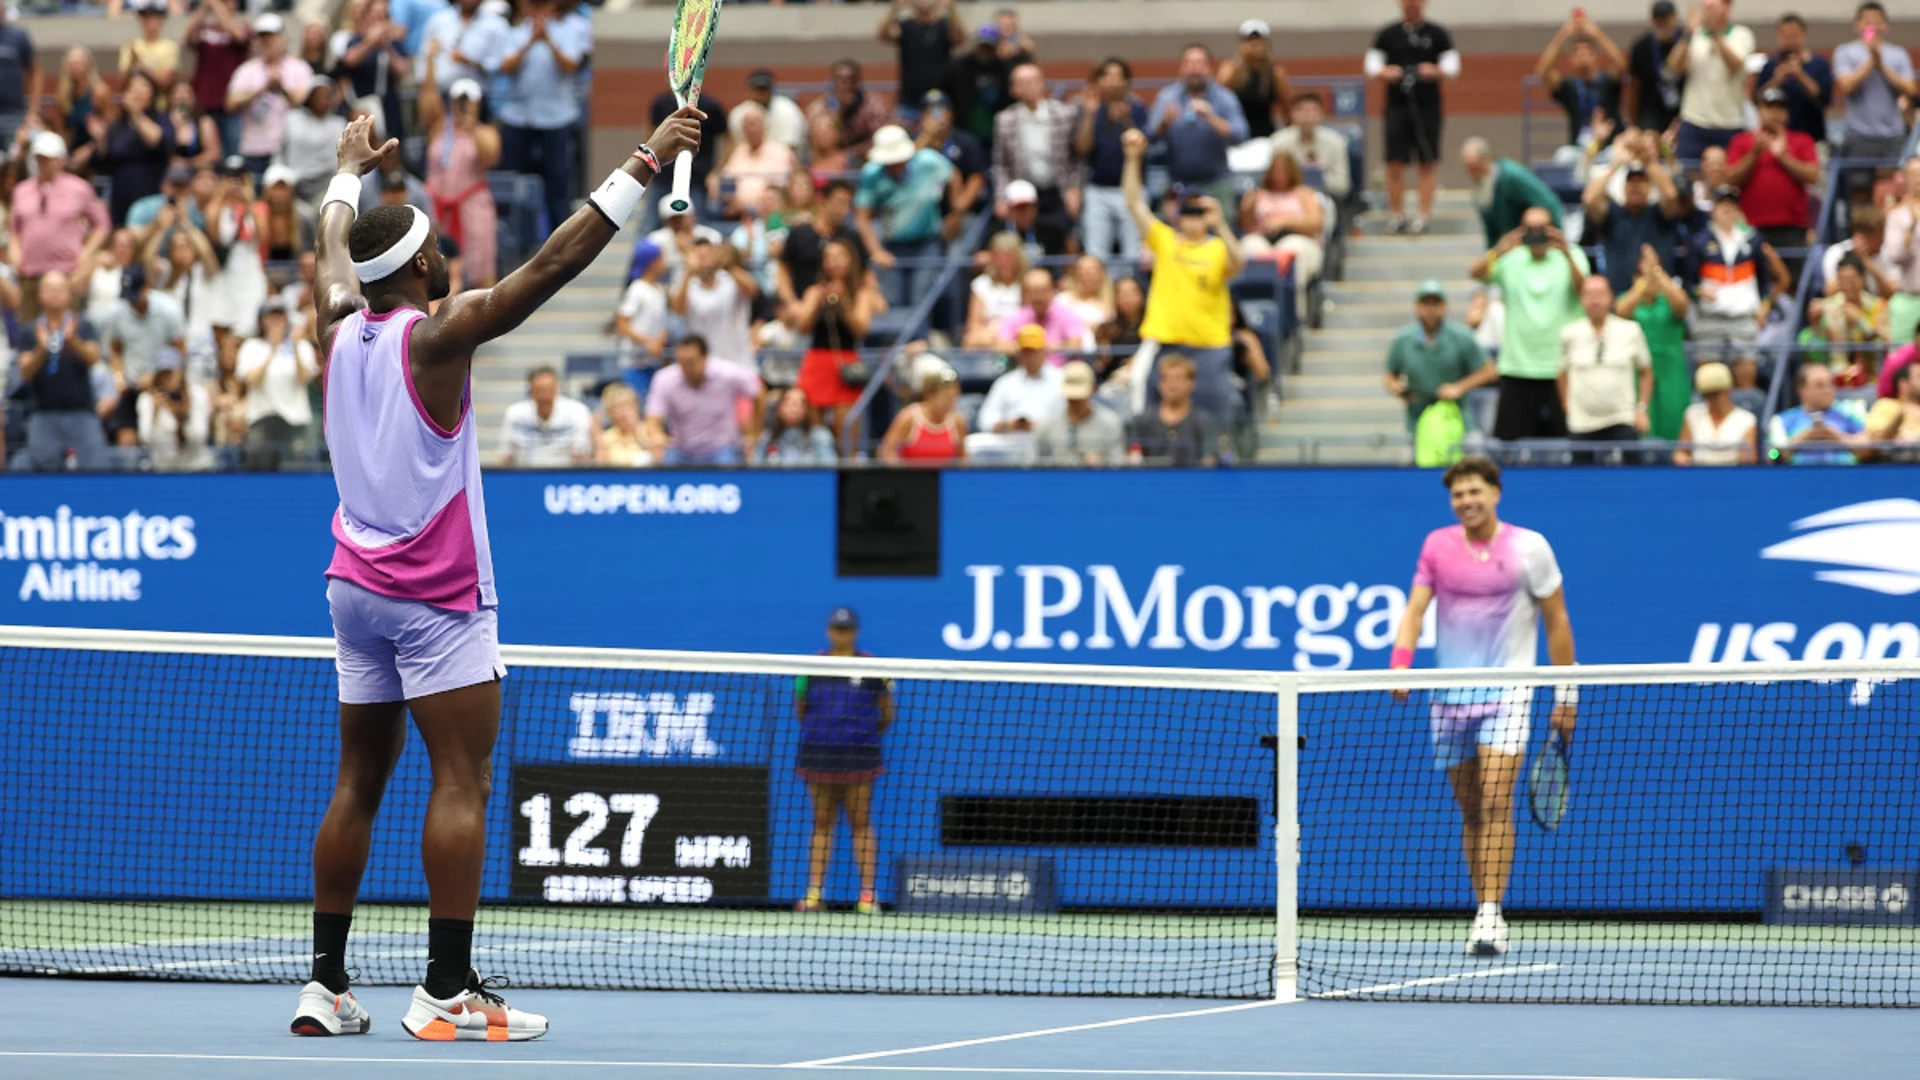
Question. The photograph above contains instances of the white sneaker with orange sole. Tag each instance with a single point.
(475, 1014)
(323, 1012)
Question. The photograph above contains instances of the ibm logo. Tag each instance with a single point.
(616, 727)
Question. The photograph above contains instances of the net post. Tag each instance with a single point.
(1286, 839)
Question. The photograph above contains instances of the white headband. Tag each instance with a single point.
(400, 254)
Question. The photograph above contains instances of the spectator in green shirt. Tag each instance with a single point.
(1539, 275)
(1434, 358)
(1504, 190)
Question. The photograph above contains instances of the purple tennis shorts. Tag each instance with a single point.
(399, 650)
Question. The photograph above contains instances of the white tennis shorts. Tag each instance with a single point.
(1459, 731)
(399, 650)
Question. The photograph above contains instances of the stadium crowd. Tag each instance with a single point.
(1650, 293)
(161, 215)
(160, 228)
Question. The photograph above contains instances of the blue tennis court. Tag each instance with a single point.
(76, 1029)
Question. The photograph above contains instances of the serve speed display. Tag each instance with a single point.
(639, 834)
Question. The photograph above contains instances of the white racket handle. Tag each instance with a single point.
(680, 201)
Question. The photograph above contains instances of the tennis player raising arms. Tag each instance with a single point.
(411, 583)
(1496, 583)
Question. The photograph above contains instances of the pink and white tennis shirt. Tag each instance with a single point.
(412, 523)
(1487, 596)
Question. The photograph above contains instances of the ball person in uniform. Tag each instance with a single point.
(841, 721)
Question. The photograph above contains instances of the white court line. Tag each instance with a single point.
(1433, 980)
(543, 1063)
(1123, 1021)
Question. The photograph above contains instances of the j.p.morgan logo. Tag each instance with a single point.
(73, 557)
(1878, 542)
(1063, 607)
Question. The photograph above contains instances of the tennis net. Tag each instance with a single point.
(1043, 831)
(1736, 834)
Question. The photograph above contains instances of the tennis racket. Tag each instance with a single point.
(1549, 784)
(695, 22)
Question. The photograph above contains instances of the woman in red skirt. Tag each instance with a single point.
(834, 315)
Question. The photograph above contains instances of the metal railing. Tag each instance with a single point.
(1347, 93)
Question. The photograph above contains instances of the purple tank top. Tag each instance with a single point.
(412, 522)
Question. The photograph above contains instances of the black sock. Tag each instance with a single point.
(330, 950)
(449, 956)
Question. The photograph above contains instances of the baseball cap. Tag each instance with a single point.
(935, 99)
(393, 180)
(1430, 290)
(47, 144)
(987, 35)
(168, 358)
(1255, 28)
(277, 174)
(1076, 380)
(1663, 9)
(1020, 193)
(132, 280)
(1726, 193)
(464, 90)
(645, 254)
(761, 79)
(273, 305)
(1773, 96)
(233, 165)
(1636, 171)
(1031, 337)
(844, 618)
(1713, 378)
(268, 23)
(178, 173)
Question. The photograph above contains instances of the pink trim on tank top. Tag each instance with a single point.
(438, 566)
(413, 392)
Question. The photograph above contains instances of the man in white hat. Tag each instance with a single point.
(1082, 434)
(264, 90)
(903, 186)
(58, 220)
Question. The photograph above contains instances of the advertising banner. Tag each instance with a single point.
(1273, 569)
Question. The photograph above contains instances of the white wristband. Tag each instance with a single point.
(1566, 695)
(618, 196)
(344, 188)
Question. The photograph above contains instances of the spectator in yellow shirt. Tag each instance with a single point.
(152, 52)
(1188, 307)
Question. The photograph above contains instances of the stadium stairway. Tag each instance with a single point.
(573, 321)
(1335, 409)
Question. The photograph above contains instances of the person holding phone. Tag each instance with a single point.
(1872, 75)
(1820, 430)
(1539, 275)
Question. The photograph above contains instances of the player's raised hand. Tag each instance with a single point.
(357, 153)
(678, 132)
(1133, 143)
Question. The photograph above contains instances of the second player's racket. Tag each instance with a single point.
(1550, 784)
(695, 22)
